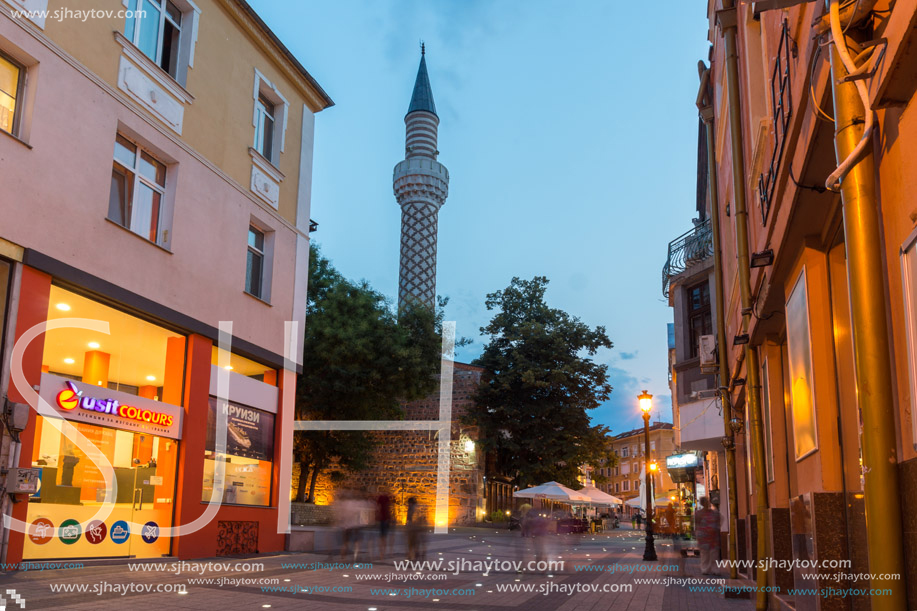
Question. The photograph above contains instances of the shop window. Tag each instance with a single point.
(768, 433)
(909, 277)
(699, 315)
(802, 382)
(12, 76)
(165, 32)
(138, 186)
(248, 456)
(136, 356)
(73, 489)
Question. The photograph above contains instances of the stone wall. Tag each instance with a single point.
(405, 462)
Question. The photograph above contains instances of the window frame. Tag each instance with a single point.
(162, 226)
(253, 250)
(16, 123)
(704, 313)
(262, 145)
(187, 33)
(264, 87)
(801, 283)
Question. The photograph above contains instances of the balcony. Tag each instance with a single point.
(685, 251)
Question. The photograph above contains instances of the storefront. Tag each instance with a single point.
(138, 406)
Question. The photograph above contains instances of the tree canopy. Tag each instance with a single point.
(537, 388)
(360, 360)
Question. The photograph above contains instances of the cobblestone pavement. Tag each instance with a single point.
(344, 588)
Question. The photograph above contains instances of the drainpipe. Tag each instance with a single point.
(729, 445)
(728, 24)
(865, 273)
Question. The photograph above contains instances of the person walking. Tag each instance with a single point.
(384, 519)
(707, 522)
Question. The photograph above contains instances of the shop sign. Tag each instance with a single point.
(106, 407)
(681, 461)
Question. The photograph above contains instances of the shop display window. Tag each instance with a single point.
(248, 457)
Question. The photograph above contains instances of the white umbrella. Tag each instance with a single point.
(553, 492)
(600, 498)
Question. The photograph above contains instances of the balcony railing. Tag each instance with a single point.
(686, 250)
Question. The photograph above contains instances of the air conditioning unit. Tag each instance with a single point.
(705, 394)
(706, 349)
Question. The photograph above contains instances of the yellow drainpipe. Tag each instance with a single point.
(706, 113)
(728, 23)
(866, 274)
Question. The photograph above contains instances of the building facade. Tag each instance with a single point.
(157, 173)
(623, 480)
(812, 146)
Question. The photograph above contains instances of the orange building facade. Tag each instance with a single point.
(818, 288)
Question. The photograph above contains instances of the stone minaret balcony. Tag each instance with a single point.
(421, 185)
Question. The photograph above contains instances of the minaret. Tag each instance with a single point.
(421, 185)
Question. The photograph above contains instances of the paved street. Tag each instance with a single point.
(469, 590)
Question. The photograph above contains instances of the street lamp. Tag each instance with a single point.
(646, 404)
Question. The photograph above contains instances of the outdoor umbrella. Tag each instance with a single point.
(553, 492)
(598, 497)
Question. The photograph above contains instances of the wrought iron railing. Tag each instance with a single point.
(684, 251)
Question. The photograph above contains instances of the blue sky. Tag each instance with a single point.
(570, 134)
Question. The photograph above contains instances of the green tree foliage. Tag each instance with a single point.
(360, 360)
(537, 388)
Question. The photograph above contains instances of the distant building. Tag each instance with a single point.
(623, 480)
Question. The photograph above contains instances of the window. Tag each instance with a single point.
(624, 452)
(652, 445)
(254, 267)
(248, 461)
(802, 383)
(625, 486)
(625, 469)
(617, 487)
(138, 183)
(11, 76)
(156, 29)
(264, 127)
(269, 120)
(909, 275)
(699, 318)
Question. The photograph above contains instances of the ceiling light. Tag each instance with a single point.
(93, 345)
(228, 368)
(63, 307)
(151, 378)
(69, 361)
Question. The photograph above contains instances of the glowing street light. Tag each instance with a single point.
(646, 405)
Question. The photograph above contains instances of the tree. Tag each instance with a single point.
(360, 360)
(538, 385)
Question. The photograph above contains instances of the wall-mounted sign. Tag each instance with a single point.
(681, 461)
(106, 407)
(250, 432)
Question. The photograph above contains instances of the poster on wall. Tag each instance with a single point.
(250, 431)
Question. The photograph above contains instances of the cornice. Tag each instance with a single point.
(249, 21)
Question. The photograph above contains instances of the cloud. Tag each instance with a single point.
(628, 356)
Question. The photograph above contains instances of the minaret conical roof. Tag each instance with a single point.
(422, 98)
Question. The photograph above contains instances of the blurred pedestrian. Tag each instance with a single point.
(416, 524)
(384, 520)
(707, 526)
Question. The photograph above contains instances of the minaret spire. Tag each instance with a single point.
(421, 185)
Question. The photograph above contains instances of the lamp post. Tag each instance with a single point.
(646, 404)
